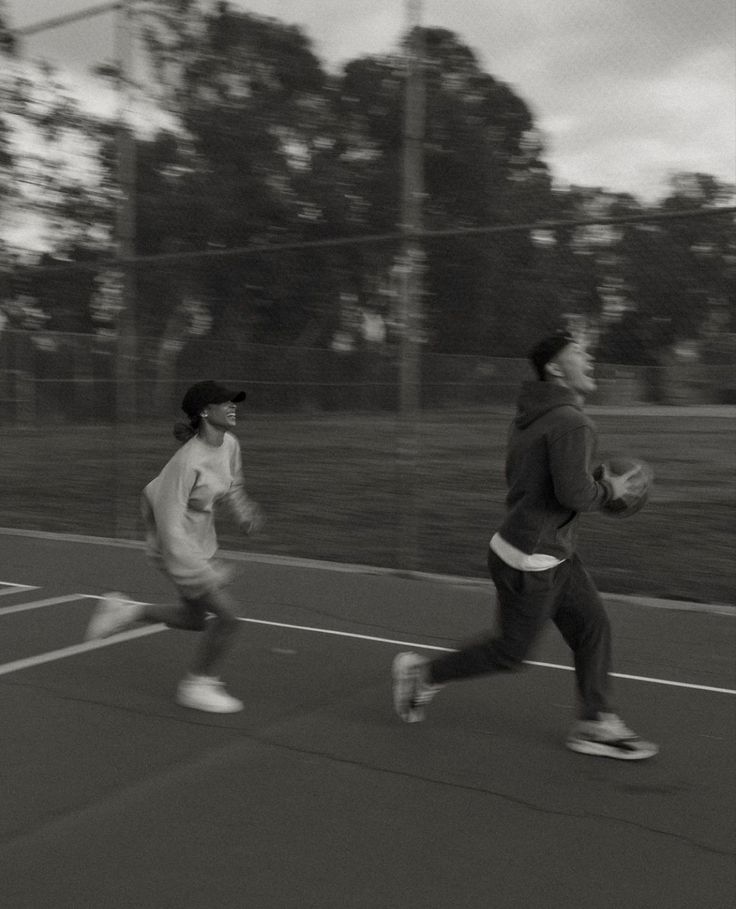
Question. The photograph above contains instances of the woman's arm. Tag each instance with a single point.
(245, 510)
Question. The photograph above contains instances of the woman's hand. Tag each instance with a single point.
(255, 521)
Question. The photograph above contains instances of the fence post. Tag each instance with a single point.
(411, 222)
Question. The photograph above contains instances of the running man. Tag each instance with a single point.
(532, 559)
(178, 513)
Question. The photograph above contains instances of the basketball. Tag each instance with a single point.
(644, 476)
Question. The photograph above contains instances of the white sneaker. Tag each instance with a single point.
(204, 692)
(609, 737)
(412, 691)
(113, 614)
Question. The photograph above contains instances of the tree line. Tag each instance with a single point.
(252, 142)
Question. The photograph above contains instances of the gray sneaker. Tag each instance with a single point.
(412, 690)
(609, 737)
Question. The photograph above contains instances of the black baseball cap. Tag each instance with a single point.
(203, 393)
(548, 348)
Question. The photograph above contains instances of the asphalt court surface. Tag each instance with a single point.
(316, 795)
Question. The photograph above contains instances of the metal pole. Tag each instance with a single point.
(125, 367)
(125, 219)
(411, 207)
(411, 254)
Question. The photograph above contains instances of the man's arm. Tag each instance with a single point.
(570, 455)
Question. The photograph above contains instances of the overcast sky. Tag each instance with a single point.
(625, 92)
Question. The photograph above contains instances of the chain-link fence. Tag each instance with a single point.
(345, 475)
(370, 253)
(56, 377)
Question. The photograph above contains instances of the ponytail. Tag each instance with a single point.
(183, 432)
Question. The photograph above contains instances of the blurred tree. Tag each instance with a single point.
(271, 150)
(249, 96)
(577, 265)
(51, 189)
(6, 158)
(262, 147)
(482, 165)
(678, 276)
(7, 39)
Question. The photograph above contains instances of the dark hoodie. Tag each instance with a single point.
(549, 471)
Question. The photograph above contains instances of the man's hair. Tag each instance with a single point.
(547, 349)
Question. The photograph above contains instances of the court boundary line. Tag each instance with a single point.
(358, 568)
(368, 637)
(86, 646)
(49, 601)
(51, 656)
(16, 588)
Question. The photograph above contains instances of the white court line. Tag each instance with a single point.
(75, 649)
(367, 637)
(151, 629)
(15, 588)
(50, 601)
(54, 601)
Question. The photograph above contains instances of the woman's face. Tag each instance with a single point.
(221, 416)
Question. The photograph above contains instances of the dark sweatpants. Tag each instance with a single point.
(526, 600)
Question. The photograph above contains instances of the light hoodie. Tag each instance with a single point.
(549, 471)
(178, 511)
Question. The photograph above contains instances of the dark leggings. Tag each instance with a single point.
(565, 594)
(211, 613)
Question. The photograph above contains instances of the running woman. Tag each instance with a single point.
(178, 514)
(532, 559)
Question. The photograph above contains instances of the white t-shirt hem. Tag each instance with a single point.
(522, 561)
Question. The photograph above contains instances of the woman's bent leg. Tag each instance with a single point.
(218, 634)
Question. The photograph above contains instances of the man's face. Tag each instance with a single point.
(573, 367)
